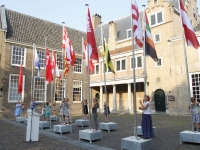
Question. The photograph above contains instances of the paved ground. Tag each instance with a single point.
(168, 128)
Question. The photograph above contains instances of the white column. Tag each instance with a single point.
(114, 100)
(130, 108)
(101, 99)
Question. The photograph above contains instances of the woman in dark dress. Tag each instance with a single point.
(85, 109)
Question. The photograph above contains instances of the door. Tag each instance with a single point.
(159, 99)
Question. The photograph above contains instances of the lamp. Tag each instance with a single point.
(147, 83)
(3, 80)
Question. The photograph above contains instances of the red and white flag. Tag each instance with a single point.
(49, 76)
(93, 52)
(67, 46)
(20, 81)
(137, 27)
(190, 36)
(55, 66)
(85, 56)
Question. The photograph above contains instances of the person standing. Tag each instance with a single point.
(94, 113)
(62, 111)
(147, 127)
(47, 112)
(67, 111)
(85, 109)
(106, 111)
(54, 108)
(33, 104)
(18, 109)
(23, 109)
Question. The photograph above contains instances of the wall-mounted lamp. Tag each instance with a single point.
(3, 80)
(147, 83)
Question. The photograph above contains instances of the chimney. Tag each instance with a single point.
(96, 20)
(112, 35)
(2, 5)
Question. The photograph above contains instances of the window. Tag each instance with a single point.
(159, 62)
(77, 89)
(18, 56)
(157, 38)
(96, 69)
(155, 1)
(195, 85)
(60, 61)
(13, 95)
(39, 89)
(128, 32)
(41, 56)
(156, 18)
(121, 65)
(78, 65)
(138, 63)
(59, 92)
(106, 69)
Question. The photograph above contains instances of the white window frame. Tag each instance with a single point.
(74, 91)
(127, 33)
(155, 1)
(10, 88)
(41, 67)
(60, 90)
(161, 62)
(156, 19)
(24, 61)
(155, 38)
(77, 66)
(42, 90)
(120, 64)
(62, 61)
(136, 64)
(191, 84)
(94, 72)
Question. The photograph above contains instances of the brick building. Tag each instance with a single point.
(166, 78)
(18, 32)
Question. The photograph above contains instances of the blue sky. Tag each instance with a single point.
(73, 12)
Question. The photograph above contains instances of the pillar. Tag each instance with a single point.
(114, 100)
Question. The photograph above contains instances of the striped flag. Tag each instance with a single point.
(48, 67)
(137, 27)
(108, 60)
(55, 66)
(37, 62)
(149, 44)
(66, 66)
(190, 36)
(20, 80)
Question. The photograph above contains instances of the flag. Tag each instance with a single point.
(190, 36)
(20, 80)
(37, 62)
(67, 46)
(66, 66)
(137, 27)
(85, 56)
(149, 44)
(49, 76)
(109, 64)
(55, 66)
(93, 52)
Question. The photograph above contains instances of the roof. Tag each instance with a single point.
(27, 29)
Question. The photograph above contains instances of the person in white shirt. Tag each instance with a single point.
(147, 127)
(195, 113)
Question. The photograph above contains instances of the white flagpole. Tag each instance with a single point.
(186, 64)
(88, 70)
(82, 76)
(52, 83)
(63, 23)
(144, 51)
(32, 73)
(134, 80)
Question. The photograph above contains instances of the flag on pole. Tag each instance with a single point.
(85, 56)
(190, 36)
(93, 52)
(55, 66)
(67, 46)
(20, 80)
(49, 76)
(149, 44)
(137, 27)
(37, 62)
(106, 52)
(66, 66)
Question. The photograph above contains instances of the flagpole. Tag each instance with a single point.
(105, 89)
(134, 80)
(88, 71)
(32, 73)
(52, 84)
(63, 23)
(186, 64)
(144, 52)
(82, 76)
